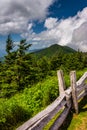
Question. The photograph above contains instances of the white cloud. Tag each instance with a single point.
(15, 15)
(50, 23)
(71, 31)
(79, 37)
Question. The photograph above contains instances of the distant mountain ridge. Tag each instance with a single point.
(49, 51)
(35, 50)
(53, 49)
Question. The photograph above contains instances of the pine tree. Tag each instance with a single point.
(9, 44)
(22, 47)
(20, 63)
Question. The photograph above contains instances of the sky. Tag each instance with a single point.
(44, 23)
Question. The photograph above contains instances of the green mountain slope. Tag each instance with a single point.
(54, 49)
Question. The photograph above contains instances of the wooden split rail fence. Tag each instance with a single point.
(67, 98)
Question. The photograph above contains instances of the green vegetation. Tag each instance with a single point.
(30, 101)
(28, 84)
(54, 49)
(22, 106)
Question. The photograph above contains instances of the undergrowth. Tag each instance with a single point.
(24, 105)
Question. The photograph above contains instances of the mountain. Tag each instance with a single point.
(54, 49)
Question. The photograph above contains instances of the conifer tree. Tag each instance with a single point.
(9, 44)
(23, 46)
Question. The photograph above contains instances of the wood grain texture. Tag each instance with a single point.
(82, 79)
(81, 95)
(74, 90)
(61, 82)
(59, 121)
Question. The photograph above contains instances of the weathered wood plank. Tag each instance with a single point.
(59, 121)
(68, 90)
(80, 85)
(61, 82)
(82, 79)
(81, 95)
(74, 90)
(80, 89)
(42, 114)
(42, 122)
(68, 98)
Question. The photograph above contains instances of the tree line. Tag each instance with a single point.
(22, 69)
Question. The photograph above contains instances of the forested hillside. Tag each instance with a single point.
(53, 50)
(28, 85)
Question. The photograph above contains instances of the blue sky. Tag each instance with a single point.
(44, 22)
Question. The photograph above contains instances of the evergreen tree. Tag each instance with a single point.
(9, 44)
(21, 63)
(22, 47)
(9, 58)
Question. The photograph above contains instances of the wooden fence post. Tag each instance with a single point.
(74, 90)
(61, 82)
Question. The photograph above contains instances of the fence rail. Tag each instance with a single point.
(74, 93)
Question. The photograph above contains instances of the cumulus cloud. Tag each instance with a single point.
(71, 31)
(16, 16)
(50, 23)
(79, 38)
